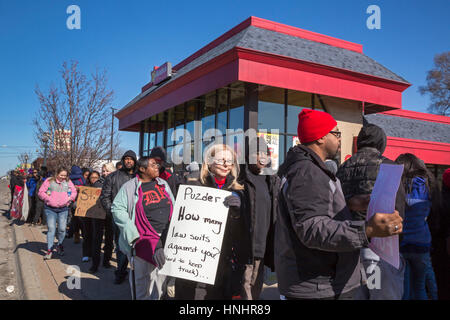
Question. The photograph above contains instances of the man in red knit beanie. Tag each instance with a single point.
(317, 242)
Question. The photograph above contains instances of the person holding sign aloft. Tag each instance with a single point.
(142, 210)
(220, 170)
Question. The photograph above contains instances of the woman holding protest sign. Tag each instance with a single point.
(142, 211)
(87, 223)
(97, 227)
(220, 170)
(57, 193)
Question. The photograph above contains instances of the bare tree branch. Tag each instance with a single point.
(76, 117)
(438, 85)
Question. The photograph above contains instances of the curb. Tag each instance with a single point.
(23, 294)
(29, 279)
(19, 276)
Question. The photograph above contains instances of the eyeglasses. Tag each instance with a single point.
(223, 161)
(154, 165)
(337, 134)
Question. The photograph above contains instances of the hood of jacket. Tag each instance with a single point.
(302, 153)
(372, 136)
(131, 154)
(76, 173)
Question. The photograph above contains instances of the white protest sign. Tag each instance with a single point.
(382, 200)
(195, 235)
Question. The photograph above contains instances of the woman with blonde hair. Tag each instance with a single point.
(220, 170)
(107, 169)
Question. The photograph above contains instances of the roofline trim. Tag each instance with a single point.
(429, 151)
(418, 116)
(337, 72)
(305, 34)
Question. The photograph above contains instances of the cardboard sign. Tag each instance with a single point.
(194, 240)
(382, 200)
(88, 203)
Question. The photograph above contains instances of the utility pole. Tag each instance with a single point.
(45, 140)
(112, 133)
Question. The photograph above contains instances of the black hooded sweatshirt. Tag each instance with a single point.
(115, 180)
(359, 173)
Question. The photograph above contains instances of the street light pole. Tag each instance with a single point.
(45, 140)
(112, 133)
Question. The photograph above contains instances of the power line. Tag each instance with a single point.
(8, 146)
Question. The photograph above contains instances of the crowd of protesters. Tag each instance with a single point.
(307, 222)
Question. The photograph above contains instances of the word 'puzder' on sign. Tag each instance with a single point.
(194, 240)
(88, 203)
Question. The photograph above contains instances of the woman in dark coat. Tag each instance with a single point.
(220, 170)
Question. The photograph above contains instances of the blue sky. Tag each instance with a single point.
(128, 38)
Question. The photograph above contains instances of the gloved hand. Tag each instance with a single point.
(232, 201)
(159, 258)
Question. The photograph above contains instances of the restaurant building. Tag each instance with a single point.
(260, 75)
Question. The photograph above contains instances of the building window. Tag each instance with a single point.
(270, 108)
(159, 128)
(208, 111)
(222, 110)
(236, 105)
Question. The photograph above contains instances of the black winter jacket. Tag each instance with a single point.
(317, 244)
(359, 173)
(114, 182)
(249, 213)
(229, 272)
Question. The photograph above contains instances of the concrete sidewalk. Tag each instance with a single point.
(51, 279)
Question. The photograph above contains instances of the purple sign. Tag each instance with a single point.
(162, 73)
(382, 200)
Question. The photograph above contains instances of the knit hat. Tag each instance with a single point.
(313, 125)
(446, 177)
(160, 152)
(193, 166)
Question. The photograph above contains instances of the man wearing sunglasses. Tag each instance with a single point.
(317, 242)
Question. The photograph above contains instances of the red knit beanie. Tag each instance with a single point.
(313, 125)
(446, 177)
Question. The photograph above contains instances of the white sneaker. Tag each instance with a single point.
(85, 259)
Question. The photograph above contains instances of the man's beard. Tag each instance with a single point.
(333, 156)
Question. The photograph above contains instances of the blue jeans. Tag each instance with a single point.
(52, 216)
(122, 259)
(430, 282)
(417, 267)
